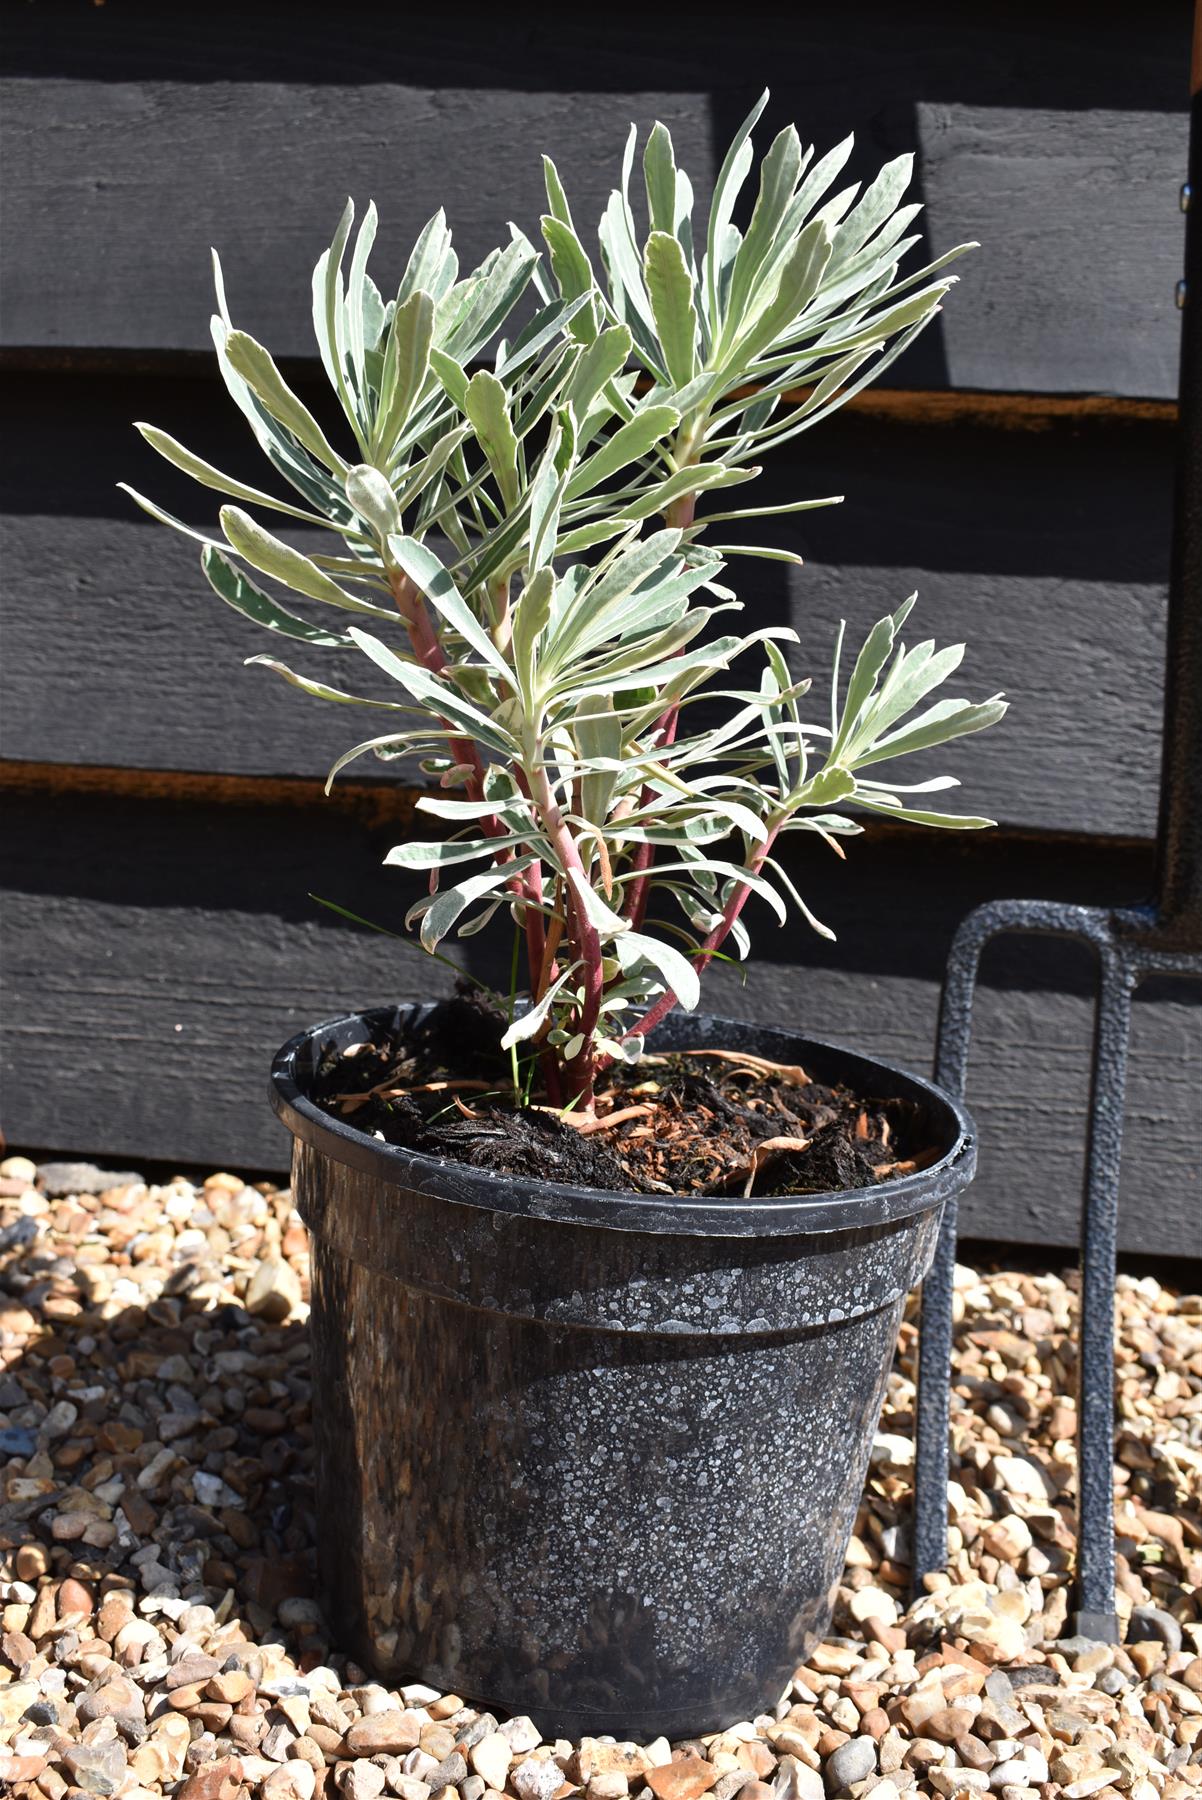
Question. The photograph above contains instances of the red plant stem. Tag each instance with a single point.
(584, 935)
(656, 1014)
(536, 934)
(431, 655)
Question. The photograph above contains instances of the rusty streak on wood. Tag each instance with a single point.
(975, 406)
(374, 804)
(1008, 412)
(934, 406)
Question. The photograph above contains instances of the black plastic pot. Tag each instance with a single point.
(588, 1455)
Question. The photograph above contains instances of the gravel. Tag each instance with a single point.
(159, 1635)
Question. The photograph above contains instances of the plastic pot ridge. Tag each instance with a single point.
(588, 1455)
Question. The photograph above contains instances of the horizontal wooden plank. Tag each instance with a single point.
(1073, 289)
(1060, 149)
(157, 953)
(1044, 545)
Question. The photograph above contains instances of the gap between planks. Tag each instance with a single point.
(958, 406)
(372, 803)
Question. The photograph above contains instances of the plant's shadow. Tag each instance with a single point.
(199, 1411)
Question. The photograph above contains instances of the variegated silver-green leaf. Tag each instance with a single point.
(406, 363)
(273, 557)
(240, 592)
(371, 495)
(486, 403)
(670, 287)
(249, 359)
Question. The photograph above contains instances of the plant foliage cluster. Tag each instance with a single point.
(528, 517)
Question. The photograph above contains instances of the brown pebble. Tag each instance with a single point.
(307, 1750)
(214, 1781)
(185, 1697)
(437, 1741)
(74, 1597)
(245, 1730)
(757, 1757)
(140, 1514)
(115, 1435)
(115, 1696)
(969, 1678)
(390, 1734)
(17, 1649)
(264, 1421)
(239, 1527)
(684, 1779)
(891, 1637)
(193, 1671)
(115, 1611)
(214, 1715)
(43, 1613)
(328, 1741)
(973, 1753)
(1062, 1421)
(24, 1768)
(442, 1709)
(32, 1560)
(922, 1753)
(1146, 1655)
(949, 1723)
(230, 1686)
(830, 1740)
(875, 1722)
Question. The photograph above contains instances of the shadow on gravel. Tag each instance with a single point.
(166, 1448)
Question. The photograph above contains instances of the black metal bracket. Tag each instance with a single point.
(1129, 949)
(1130, 944)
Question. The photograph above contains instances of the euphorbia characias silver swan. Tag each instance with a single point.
(527, 512)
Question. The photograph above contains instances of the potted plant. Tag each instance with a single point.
(605, 1291)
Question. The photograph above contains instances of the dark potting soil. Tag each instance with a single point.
(685, 1122)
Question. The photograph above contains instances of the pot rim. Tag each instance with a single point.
(620, 1210)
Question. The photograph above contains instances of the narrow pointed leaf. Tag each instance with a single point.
(678, 972)
(406, 362)
(427, 572)
(649, 426)
(731, 177)
(670, 286)
(182, 458)
(273, 557)
(240, 592)
(356, 287)
(487, 406)
(659, 174)
(252, 362)
(319, 689)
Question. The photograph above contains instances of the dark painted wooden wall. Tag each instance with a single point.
(164, 823)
